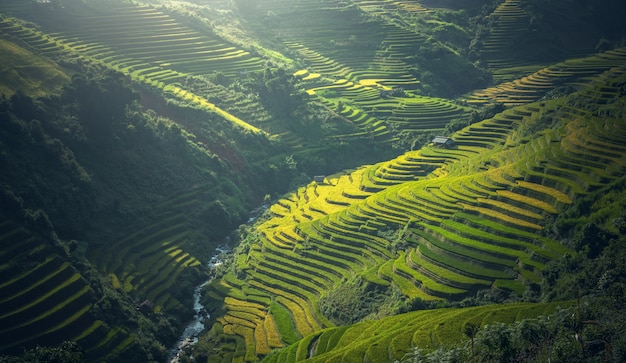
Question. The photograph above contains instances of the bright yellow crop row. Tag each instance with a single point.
(558, 195)
(295, 305)
(238, 321)
(262, 347)
(502, 217)
(510, 208)
(248, 336)
(271, 332)
(248, 306)
(528, 201)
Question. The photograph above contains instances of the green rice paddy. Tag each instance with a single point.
(472, 223)
(465, 218)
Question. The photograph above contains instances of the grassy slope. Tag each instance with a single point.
(42, 161)
(500, 186)
(319, 242)
(396, 335)
(22, 70)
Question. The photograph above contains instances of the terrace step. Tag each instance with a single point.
(527, 89)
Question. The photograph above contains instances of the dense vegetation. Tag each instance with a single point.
(135, 137)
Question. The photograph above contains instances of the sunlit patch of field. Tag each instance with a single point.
(437, 223)
(534, 86)
(28, 73)
(393, 337)
(470, 215)
(373, 106)
(166, 56)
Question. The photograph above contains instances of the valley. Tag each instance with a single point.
(431, 172)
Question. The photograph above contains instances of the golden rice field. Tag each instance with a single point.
(473, 215)
(466, 218)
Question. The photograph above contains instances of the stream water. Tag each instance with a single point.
(196, 326)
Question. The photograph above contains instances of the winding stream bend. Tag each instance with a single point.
(189, 336)
(196, 326)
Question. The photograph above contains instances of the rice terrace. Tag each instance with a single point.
(322, 180)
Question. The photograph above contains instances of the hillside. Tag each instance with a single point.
(390, 338)
(432, 224)
(26, 71)
(137, 136)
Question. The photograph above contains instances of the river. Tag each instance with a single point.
(189, 336)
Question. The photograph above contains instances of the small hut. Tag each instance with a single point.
(443, 142)
(146, 306)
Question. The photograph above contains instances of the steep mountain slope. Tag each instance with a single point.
(26, 71)
(394, 338)
(598, 238)
(104, 208)
(66, 193)
(462, 219)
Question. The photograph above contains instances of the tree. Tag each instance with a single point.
(496, 343)
(470, 329)
(278, 92)
(67, 352)
(101, 101)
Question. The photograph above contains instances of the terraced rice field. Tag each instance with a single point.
(48, 302)
(507, 50)
(153, 48)
(141, 42)
(385, 7)
(128, 34)
(149, 260)
(356, 64)
(391, 338)
(472, 216)
(511, 22)
(375, 113)
(573, 72)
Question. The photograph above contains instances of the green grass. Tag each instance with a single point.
(27, 72)
(284, 324)
(529, 89)
(432, 287)
(222, 64)
(393, 336)
(449, 276)
(406, 285)
(501, 255)
(453, 263)
(458, 251)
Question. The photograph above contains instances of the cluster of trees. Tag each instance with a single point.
(588, 332)
(278, 92)
(100, 102)
(444, 72)
(85, 164)
(67, 352)
(356, 300)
